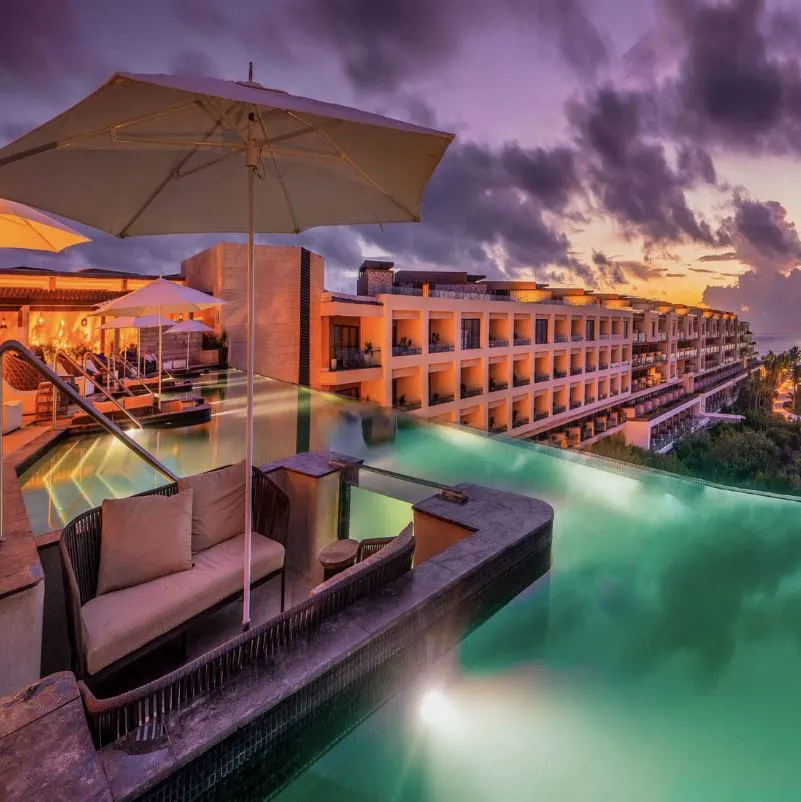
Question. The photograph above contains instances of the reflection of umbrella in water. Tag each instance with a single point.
(189, 327)
(163, 154)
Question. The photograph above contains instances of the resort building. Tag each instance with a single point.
(563, 366)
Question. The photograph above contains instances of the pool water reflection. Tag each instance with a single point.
(658, 661)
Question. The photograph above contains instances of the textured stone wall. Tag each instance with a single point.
(222, 270)
(374, 282)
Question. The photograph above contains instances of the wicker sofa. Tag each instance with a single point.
(151, 704)
(111, 630)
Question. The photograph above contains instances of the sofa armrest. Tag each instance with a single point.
(270, 508)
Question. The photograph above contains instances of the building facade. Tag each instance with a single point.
(564, 366)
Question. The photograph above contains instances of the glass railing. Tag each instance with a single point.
(355, 358)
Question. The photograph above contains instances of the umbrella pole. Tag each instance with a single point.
(249, 424)
(160, 362)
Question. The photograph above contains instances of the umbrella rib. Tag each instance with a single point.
(284, 190)
(59, 144)
(170, 176)
(350, 162)
(39, 234)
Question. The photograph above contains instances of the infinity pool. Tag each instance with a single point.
(659, 661)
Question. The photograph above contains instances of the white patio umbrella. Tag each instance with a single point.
(189, 327)
(163, 297)
(163, 154)
(138, 323)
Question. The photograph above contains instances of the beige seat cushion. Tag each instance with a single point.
(144, 538)
(118, 623)
(218, 509)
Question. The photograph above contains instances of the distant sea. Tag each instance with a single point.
(776, 342)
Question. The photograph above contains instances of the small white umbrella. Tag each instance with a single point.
(162, 296)
(168, 154)
(189, 327)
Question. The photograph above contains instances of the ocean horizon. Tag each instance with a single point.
(776, 342)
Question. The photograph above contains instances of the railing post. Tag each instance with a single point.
(348, 475)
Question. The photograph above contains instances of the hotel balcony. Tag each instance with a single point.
(470, 392)
(522, 341)
(576, 371)
(560, 338)
(498, 343)
(541, 414)
(520, 381)
(560, 374)
(575, 404)
(496, 387)
(541, 377)
(355, 358)
(406, 349)
(436, 398)
(408, 406)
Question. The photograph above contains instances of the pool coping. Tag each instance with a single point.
(20, 567)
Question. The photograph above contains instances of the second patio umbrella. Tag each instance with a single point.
(189, 327)
(162, 297)
(166, 154)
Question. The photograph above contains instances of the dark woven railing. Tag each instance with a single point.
(149, 706)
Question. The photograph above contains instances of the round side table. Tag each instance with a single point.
(338, 556)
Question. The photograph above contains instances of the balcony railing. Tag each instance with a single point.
(575, 404)
(522, 340)
(603, 366)
(408, 406)
(440, 398)
(470, 344)
(541, 341)
(406, 350)
(541, 377)
(470, 392)
(560, 374)
(589, 368)
(560, 338)
(559, 410)
(498, 428)
(576, 338)
(495, 387)
(440, 348)
(493, 343)
(520, 381)
(576, 371)
(603, 337)
(518, 422)
(354, 358)
(589, 400)
(541, 414)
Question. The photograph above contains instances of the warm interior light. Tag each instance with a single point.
(84, 322)
(3, 324)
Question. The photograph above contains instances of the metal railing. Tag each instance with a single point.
(134, 371)
(75, 366)
(106, 423)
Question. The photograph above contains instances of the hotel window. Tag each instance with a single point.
(346, 337)
(471, 333)
(541, 332)
(625, 329)
(590, 330)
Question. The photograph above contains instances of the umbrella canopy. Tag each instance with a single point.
(141, 322)
(23, 227)
(164, 154)
(160, 296)
(189, 327)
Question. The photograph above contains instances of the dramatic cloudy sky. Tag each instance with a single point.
(642, 146)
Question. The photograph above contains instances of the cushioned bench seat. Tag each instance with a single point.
(116, 624)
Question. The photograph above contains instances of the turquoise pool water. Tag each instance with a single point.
(659, 662)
